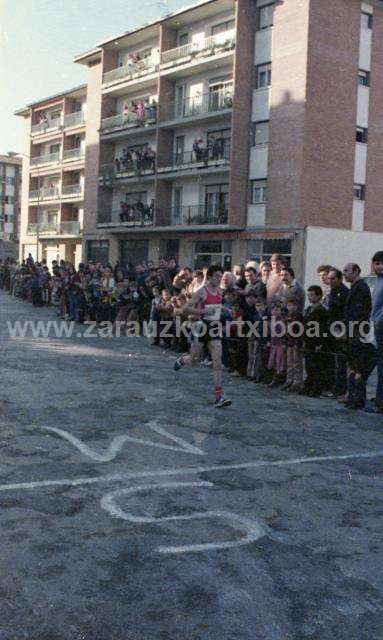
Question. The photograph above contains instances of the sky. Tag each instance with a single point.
(39, 39)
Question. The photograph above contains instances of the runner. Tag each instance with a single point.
(205, 310)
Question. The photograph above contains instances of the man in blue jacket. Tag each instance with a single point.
(377, 319)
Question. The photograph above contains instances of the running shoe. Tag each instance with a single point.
(222, 402)
(178, 364)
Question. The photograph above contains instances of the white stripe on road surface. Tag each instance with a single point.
(118, 442)
(120, 477)
(252, 529)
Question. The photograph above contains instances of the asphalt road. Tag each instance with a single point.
(131, 509)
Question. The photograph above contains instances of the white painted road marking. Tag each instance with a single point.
(251, 528)
(121, 477)
(118, 442)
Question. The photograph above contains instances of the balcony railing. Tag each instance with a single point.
(217, 153)
(138, 215)
(212, 45)
(73, 119)
(128, 121)
(42, 228)
(42, 127)
(73, 154)
(71, 228)
(140, 167)
(131, 70)
(198, 214)
(71, 190)
(47, 159)
(200, 105)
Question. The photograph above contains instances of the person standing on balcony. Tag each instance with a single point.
(153, 110)
(205, 309)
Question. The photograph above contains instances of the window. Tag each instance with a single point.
(207, 252)
(222, 27)
(359, 192)
(9, 199)
(261, 132)
(222, 140)
(54, 148)
(179, 149)
(364, 78)
(217, 202)
(260, 250)
(10, 181)
(258, 191)
(183, 39)
(265, 17)
(133, 251)
(366, 20)
(361, 135)
(98, 251)
(263, 76)
(55, 115)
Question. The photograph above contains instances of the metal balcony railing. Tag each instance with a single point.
(137, 215)
(198, 214)
(50, 192)
(32, 229)
(73, 154)
(71, 190)
(128, 121)
(218, 152)
(72, 119)
(71, 228)
(44, 192)
(205, 47)
(47, 159)
(42, 127)
(131, 70)
(42, 228)
(200, 105)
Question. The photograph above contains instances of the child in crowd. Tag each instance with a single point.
(316, 326)
(294, 344)
(259, 345)
(277, 355)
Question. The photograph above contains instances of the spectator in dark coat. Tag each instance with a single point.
(361, 355)
(337, 301)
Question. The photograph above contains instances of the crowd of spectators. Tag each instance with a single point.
(137, 212)
(136, 160)
(320, 362)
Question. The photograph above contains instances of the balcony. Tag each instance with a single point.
(217, 156)
(45, 193)
(200, 106)
(42, 228)
(131, 71)
(199, 50)
(49, 158)
(128, 121)
(128, 215)
(138, 168)
(200, 214)
(73, 154)
(74, 119)
(72, 228)
(71, 190)
(47, 126)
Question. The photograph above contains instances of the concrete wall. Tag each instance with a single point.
(337, 247)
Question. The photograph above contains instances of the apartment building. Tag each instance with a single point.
(233, 129)
(10, 191)
(53, 177)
